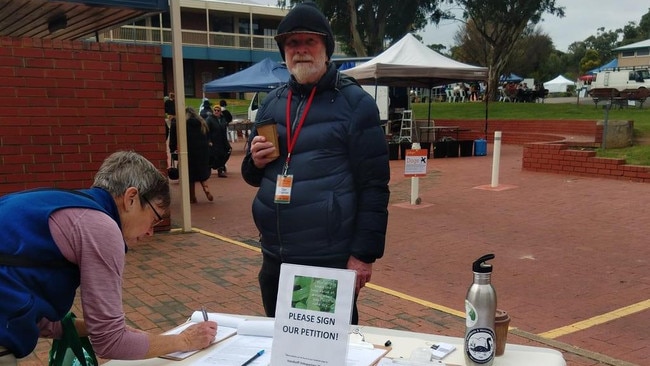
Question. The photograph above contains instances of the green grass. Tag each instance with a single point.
(638, 154)
(235, 106)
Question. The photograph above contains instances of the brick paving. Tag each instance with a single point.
(567, 249)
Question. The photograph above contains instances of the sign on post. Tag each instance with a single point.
(415, 163)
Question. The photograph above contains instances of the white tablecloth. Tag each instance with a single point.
(403, 343)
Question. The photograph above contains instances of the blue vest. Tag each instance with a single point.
(39, 282)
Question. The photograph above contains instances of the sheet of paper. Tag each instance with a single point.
(237, 350)
(363, 356)
(227, 326)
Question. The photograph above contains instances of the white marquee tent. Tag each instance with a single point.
(410, 63)
(558, 85)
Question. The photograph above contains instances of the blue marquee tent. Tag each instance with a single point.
(610, 65)
(512, 78)
(262, 76)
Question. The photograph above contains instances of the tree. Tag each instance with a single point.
(531, 50)
(363, 27)
(631, 34)
(440, 48)
(590, 61)
(603, 42)
(500, 24)
(644, 25)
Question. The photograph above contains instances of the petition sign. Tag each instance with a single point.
(312, 317)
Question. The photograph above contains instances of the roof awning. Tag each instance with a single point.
(69, 20)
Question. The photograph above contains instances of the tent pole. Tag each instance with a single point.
(181, 123)
(429, 118)
(486, 95)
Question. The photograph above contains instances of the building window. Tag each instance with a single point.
(627, 53)
(642, 52)
(221, 24)
(244, 27)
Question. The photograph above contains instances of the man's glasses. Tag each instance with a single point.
(158, 217)
(217, 110)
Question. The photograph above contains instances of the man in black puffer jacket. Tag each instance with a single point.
(333, 157)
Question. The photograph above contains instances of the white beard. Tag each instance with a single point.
(309, 72)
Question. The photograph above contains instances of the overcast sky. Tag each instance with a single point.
(581, 19)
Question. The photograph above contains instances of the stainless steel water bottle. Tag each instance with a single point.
(480, 308)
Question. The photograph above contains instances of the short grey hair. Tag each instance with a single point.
(124, 169)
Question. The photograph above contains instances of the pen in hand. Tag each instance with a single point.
(250, 360)
(205, 314)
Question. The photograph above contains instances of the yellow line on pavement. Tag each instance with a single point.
(369, 285)
(552, 334)
(404, 296)
(596, 320)
(231, 241)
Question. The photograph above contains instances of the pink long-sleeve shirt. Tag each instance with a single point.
(93, 241)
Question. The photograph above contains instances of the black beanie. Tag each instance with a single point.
(305, 18)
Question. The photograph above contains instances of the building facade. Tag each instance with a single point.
(633, 55)
(218, 38)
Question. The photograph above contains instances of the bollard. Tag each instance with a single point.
(415, 182)
(496, 159)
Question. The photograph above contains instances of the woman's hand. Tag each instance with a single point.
(199, 335)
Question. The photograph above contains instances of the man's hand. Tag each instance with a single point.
(260, 150)
(364, 272)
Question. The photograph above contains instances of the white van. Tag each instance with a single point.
(622, 79)
(255, 104)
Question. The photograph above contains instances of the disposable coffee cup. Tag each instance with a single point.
(501, 323)
(269, 129)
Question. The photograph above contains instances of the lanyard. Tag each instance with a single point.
(291, 140)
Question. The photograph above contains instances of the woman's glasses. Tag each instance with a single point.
(158, 217)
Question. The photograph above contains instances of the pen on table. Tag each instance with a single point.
(205, 314)
(250, 360)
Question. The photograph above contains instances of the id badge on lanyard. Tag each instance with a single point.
(284, 181)
(283, 188)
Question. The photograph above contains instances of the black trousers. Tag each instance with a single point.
(269, 279)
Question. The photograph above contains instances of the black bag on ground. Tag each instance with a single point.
(172, 171)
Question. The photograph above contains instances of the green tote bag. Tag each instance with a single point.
(70, 349)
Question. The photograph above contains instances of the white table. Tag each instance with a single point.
(403, 343)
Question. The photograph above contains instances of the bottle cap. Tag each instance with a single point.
(501, 315)
(480, 266)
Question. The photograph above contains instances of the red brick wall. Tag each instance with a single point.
(67, 105)
(557, 158)
(521, 132)
(546, 146)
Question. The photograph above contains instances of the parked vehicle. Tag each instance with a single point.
(622, 79)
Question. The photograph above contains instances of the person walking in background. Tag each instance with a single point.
(206, 109)
(333, 161)
(225, 113)
(170, 106)
(198, 152)
(56, 241)
(170, 114)
(220, 148)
